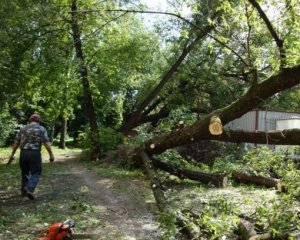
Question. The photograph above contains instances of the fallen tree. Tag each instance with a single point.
(203, 130)
(200, 129)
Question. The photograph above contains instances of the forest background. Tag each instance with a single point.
(96, 71)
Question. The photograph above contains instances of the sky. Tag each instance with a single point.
(160, 6)
(155, 4)
(163, 5)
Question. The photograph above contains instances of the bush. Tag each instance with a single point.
(7, 128)
(109, 140)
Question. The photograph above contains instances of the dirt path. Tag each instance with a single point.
(123, 214)
(112, 208)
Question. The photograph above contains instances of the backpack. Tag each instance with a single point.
(59, 231)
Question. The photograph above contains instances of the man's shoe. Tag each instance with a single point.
(28, 194)
(23, 193)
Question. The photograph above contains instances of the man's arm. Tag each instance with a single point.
(11, 157)
(48, 148)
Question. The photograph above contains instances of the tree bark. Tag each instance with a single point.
(260, 180)
(219, 180)
(63, 132)
(246, 229)
(52, 133)
(273, 137)
(85, 81)
(264, 236)
(192, 229)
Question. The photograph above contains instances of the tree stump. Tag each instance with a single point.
(215, 126)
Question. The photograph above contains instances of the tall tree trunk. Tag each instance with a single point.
(94, 135)
(63, 132)
(51, 138)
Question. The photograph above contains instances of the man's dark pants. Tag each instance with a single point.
(31, 168)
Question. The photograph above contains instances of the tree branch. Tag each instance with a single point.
(134, 118)
(190, 23)
(279, 42)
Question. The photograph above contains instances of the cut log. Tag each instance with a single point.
(246, 229)
(215, 126)
(242, 177)
(219, 180)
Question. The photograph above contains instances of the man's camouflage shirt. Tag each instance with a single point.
(31, 137)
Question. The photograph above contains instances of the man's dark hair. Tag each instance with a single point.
(35, 118)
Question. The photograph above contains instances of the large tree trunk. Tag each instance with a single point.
(273, 137)
(85, 81)
(219, 180)
(246, 229)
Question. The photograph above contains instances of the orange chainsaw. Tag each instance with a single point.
(59, 231)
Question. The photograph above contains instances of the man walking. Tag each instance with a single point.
(30, 139)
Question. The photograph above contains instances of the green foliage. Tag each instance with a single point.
(265, 162)
(80, 206)
(168, 224)
(140, 138)
(8, 125)
(109, 140)
(276, 217)
(216, 216)
(172, 158)
(230, 158)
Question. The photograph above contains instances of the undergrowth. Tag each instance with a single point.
(217, 211)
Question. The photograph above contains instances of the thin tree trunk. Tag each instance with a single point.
(63, 132)
(51, 138)
(191, 228)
